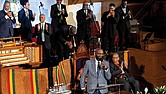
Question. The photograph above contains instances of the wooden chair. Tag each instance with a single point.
(80, 57)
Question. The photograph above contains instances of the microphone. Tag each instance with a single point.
(103, 66)
(41, 4)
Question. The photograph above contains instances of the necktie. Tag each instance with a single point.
(98, 68)
(27, 14)
(59, 7)
(42, 33)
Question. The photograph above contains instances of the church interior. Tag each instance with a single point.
(22, 63)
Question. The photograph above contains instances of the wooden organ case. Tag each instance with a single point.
(14, 53)
(34, 54)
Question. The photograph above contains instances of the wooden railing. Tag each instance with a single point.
(144, 9)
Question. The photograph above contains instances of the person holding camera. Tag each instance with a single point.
(109, 20)
(98, 73)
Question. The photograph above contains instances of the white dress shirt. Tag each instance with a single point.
(96, 62)
(42, 29)
(124, 10)
(59, 7)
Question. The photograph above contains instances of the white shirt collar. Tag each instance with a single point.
(96, 63)
(43, 23)
(25, 9)
(6, 10)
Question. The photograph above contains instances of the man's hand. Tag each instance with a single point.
(34, 15)
(63, 11)
(112, 13)
(47, 27)
(38, 26)
(69, 44)
(104, 66)
(122, 71)
(9, 14)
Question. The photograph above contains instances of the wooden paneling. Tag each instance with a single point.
(105, 4)
(149, 65)
(22, 78)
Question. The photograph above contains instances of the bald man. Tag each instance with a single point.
(98, 72)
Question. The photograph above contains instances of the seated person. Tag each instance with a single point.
(120, 72)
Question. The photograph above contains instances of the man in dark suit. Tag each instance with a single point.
(97, 72)
(64, 41)
(109, 20)
(123, 25)
(42, 33)
(61, 42)
(7, 20)
(25, 16)
(120, 73)
(84, 16)
(58, 15)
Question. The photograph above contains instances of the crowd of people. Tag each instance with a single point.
(57, 39)
(97, 74)
(114, 23)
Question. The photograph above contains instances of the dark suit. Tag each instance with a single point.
(58, 20)
(125, 79)
(58, 41)
(6, 28)
(123, 27)
(108, 30)
(83, 27)
(26, 25)
(47, 35)
(46, 48)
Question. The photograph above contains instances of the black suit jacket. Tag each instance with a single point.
(83, 25)
(123, 19)
(6, 28)
(116, 71)
(109, 28)
(47, 35)
(56, 18)
(25, 22)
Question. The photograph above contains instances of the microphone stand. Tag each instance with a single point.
(40, 9)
